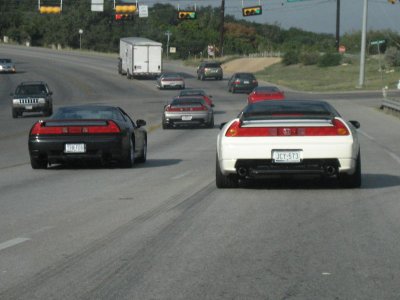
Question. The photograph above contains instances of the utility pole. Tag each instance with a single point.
(168, 34)
(363, 45)
(221, 28)
(337, 25)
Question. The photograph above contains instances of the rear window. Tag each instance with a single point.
(213, 65)
(295, 109)
(184, 102)
(245, 76)
(5, 61)
(68, 113)
(191, 93)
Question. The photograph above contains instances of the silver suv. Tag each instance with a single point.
(209, 70)
(32, 96)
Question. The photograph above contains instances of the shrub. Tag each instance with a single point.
(290, 57)
(329, 60)
(392, 57)
(309, 58)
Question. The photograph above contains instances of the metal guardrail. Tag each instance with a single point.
(391, 105)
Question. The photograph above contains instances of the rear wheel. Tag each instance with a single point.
(14, 113)
(224, 181)
(39, 163)
(211, 124)
(48, 112)
(129, 159)
(353, 180)
(143, 155)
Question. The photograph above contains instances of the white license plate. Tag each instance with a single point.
(246, 82)
(75, 148)
(186, 118)
(28, 107)
(286, 156)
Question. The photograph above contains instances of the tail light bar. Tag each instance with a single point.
(40, 128)
(338, 129)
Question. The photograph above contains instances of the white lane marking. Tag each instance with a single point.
(182, 175)
(12, 243)
(366, 135)
(392, 154)
(326, 273)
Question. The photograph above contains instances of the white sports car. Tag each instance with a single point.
(289, 137)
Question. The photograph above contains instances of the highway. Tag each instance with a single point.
(162, 230)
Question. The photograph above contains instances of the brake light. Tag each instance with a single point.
(338, 128)
(237, 81)
(40, 128)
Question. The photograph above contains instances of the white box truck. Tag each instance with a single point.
(139, 57)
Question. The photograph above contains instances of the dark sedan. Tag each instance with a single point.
(88, 132)
(242, 82)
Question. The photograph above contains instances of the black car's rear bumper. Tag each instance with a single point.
(107, 148)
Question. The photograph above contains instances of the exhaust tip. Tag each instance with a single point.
(330, 170)
(242, 171)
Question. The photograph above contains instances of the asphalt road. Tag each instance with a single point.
(162, 230)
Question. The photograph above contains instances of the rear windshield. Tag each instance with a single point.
(288, 109)
(5, 60)
(245, 76)
(185, 102)
(191, 93)
(31, 89)
(213, 65)
(72, 113)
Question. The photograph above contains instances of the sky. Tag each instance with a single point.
(312, 15)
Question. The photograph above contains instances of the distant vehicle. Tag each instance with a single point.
(7, 66)
(139, 57)
(32, 96)
(242, 82)
(290, 137)
(262, 93)
(171, 81)
(209, 70)
(197, 93)
(88, 132)
(184, 111)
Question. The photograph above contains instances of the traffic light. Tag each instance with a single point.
(125, 9)
(252, 11)
(50, 9)
(121, 17)
(186, 15)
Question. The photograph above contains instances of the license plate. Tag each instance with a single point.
(28, 107)
(286, 156)
(75, 148)
(246, 82)
(186, 118)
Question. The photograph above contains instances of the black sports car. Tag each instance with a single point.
(99, 132)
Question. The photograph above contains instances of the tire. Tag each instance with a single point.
(143, 155)
(15, 114)
(222, 181)
(202, 77)
(128, 76)
(48, 112)
(38, 163)
(211, 124)
(129, 159)
(354, 180)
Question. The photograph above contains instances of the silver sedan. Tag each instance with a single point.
(187, 111)
(170, 80)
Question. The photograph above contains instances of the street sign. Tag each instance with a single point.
(143, 11)
(378, 42)
(97, 5)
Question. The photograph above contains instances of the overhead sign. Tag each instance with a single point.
(143, 11)
(97, 5)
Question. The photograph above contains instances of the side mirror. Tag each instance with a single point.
(140, 123)
(222, 125)
(356, 124)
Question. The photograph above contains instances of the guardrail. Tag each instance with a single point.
(391, 105)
